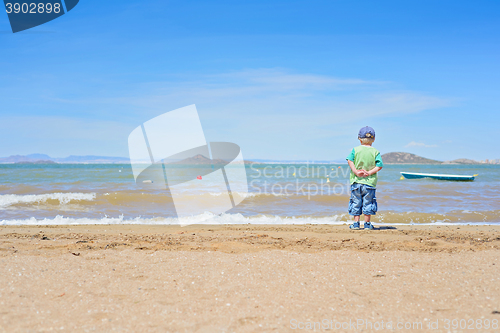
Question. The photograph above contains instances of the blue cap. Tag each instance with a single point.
(366, 132)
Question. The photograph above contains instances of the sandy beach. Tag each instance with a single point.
(248, 278)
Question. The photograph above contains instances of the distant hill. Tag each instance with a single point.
(389, 158)
(42, 157)
(16, 159)
(264, 161)
(92, 159)
(37, 162)
(462, 161)
(37, 158)
(199, 159)
(406, 158)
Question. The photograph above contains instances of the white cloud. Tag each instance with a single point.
(276, 112)
(419, 144)
(279, 96)
(269, 111)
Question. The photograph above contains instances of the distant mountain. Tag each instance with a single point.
(406, 158)
(264, 161)
(37, 162)
(16, 159)
(462, 161)
(389, 158)
(36, 158)
(39, 157)
(200, 159)
(92, 159)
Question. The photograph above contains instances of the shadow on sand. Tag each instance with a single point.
(385, 227)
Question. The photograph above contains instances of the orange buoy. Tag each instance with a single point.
(199, 177)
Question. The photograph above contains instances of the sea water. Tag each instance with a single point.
(278, 193)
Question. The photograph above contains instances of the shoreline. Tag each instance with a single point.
(251, 237)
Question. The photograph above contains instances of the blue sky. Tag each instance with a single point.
(283, 79)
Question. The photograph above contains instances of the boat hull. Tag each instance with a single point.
(460, 178)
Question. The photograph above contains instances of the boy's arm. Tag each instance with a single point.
(359, 173)
(374, 170)
(378, 165)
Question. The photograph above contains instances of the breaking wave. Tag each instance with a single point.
(207, 218)
(8, 200)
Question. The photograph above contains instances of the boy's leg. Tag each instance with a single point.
(369, 205)
(355, 205)
(355, 225)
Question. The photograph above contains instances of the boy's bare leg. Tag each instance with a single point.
(356, 218)
(367, 218)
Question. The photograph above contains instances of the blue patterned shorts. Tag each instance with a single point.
(362, 200)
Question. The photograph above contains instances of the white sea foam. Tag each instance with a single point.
(213, 219)
(250, 194)
(7, 200)
(256, 194)
(205, 218)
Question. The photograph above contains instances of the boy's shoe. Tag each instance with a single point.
(368, 226)
(354, 226)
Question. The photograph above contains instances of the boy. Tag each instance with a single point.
(365, 162)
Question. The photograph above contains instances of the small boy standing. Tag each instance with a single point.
(365, 162)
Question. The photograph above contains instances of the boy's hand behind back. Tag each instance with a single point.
(361, 173)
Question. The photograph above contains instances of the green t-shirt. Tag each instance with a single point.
(365, 158)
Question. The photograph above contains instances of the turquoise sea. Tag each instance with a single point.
(278, 193)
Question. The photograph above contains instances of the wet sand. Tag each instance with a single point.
(248, 278)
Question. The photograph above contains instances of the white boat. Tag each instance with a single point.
(414, 175)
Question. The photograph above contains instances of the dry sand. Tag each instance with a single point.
(248, 278)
